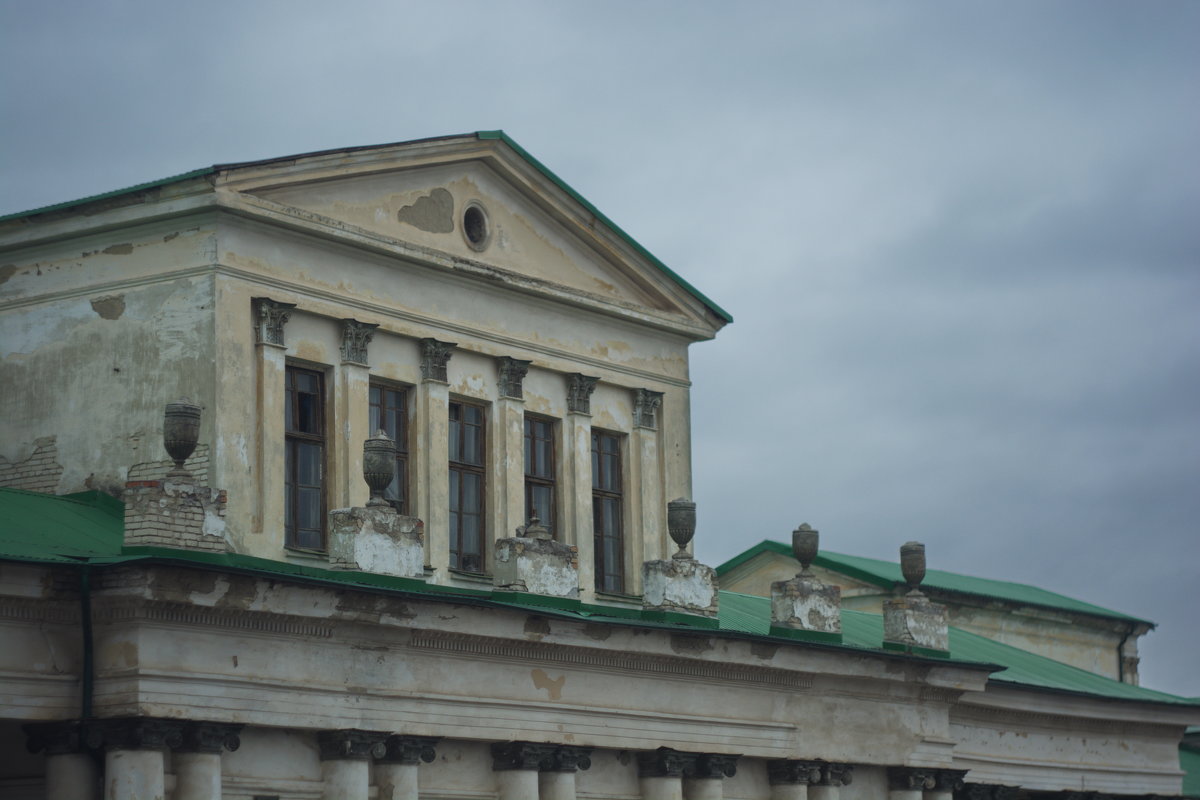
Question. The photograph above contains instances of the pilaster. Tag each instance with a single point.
(270, 317)
(507, 444)
(351, 415)
(646, 476)
(432, 454)
(575, 514)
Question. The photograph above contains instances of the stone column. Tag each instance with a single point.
(556, 781)
(704, 778)
(270, 317)
(910, 783)
(133, 755)
(575, 518)
(345, 762)
(351, 415)
(516, 765)
(833, 777)
(660, 773)
(790, 778)
(507, 444)
(645, 473)
(433, 452)
(70, 770)
(946, 783)
(396, 772)
(197, 760)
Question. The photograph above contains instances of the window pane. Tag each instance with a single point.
(455, 476)
(470, 452)
(471, 500)
(308, 508)
(308, 464)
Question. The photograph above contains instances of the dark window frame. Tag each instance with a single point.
(377, 416)
(294, 438)
(609, 578)
(472, 562)
(546, 476)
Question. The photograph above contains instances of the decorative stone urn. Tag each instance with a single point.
(534, 529)
(181, 431)
(681, 524)
(805, 541)
(912, 565)
(379, 467)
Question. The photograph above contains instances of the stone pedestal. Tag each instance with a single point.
(913, 621)
(376, 540)
(679, 584)
(806, 604)
(175, 513)
(539, 566)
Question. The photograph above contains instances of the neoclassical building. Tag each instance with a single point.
(367, 474)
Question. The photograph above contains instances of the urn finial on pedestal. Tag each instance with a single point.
(805, 542)
(681, 524)
(379, 467)
(912, 565)
(534, 529)
(181, 431)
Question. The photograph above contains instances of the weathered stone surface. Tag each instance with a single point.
(805, 603)
(914, 620)
(376, 540)
(539, 566)
(679, 584)
(171, 513)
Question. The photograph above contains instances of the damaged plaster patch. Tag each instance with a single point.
(40, 472)
(7, 271)
(122, 249)
(553, 686)
(433, 212)
(109, 307)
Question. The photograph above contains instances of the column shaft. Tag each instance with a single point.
(905, 794)
(517, 784)
(703, 788)
(556, 785)
(345, 779)
(433, 471)
(663, 788)
(507, 435)
(70, 776)
(197, 776)
(351, 417)
(789, 791)
(575, 519)
(396, 781)
(134, 775)
(823, 792)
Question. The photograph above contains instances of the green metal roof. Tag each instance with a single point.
(88, 527)
(887, 575)
(1189, 762)
(752, 614)
(496, 135)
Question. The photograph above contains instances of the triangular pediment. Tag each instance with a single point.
(476, 201)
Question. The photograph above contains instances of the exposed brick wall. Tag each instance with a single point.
(38, 473)
(157, 470)
(163, 513)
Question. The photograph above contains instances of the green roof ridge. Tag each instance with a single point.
(496, 135)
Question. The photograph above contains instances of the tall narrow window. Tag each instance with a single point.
(606, 512)
(539, 470)
(466, 487)
(389, 413)
(304, 514)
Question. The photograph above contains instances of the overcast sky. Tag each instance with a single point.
(961, 242)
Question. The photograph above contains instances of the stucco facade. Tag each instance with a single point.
(196, 640)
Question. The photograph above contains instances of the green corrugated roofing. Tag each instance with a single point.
(887, 575)
(752, 614)
(497, 135)
(89, 527)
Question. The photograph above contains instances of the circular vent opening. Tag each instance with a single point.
(475, 226)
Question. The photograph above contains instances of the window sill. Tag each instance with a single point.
(302, 555)
(617, 599)
(470, 577)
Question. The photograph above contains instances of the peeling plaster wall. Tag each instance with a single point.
(95, 339)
